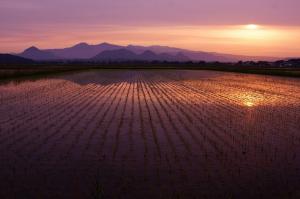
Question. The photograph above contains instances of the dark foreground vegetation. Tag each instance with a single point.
(22, 68)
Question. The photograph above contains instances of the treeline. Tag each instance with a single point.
(292, 63)
(284, 67)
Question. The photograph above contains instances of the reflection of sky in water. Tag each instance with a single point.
(235, 89)
(250, 100)
(249, 103)
(253, 91)
(255, 99)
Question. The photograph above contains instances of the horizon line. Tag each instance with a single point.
(140, 45)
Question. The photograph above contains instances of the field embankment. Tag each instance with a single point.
(41, 69)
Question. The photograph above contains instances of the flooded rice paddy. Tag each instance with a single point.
(150, 134)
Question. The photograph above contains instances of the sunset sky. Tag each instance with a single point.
(207, 25)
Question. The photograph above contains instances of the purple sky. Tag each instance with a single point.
(25, 21)
(28, 12)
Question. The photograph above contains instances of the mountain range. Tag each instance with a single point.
(12, 59)
(111, 52)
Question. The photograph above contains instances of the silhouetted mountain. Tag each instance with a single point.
(86, 51)
(157, 49)
(199, 55)
(116, 55)
(83, 50)
(127, 55)
(182, 57)
(12, 59)
(148, 56)
(191, 55)
(39, 55)
(208, 57)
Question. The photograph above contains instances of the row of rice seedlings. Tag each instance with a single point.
(69, 117)
(207, 163)
(165, 124)
(27, 127)
(75, 120)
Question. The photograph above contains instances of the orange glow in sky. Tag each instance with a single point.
(247, 39)
(256, 27)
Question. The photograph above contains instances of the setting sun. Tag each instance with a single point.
(252, 27)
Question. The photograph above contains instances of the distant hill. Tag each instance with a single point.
(12, 59)
(39, 55)
(193, 55)
(86, 51)
(127, 55)
(199, 55)
(82, 50)
(115, 55)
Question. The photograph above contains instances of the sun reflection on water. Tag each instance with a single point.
(249, 99)
(249, 104)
